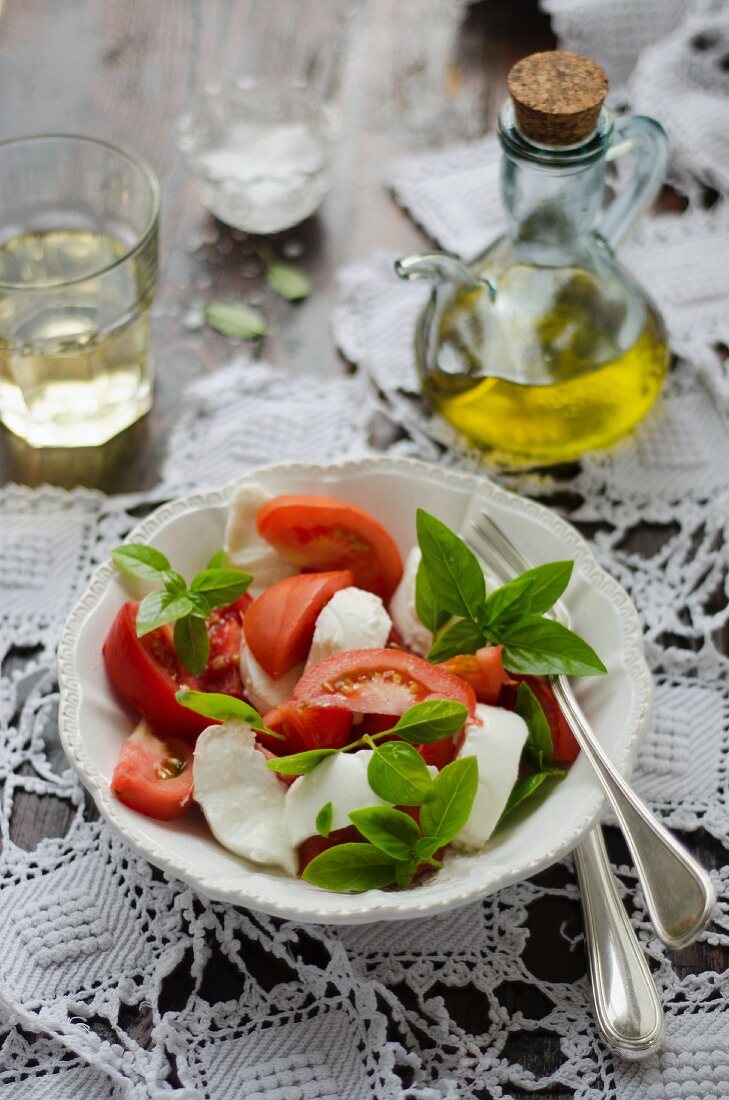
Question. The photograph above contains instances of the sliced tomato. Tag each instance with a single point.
(313, 846)
(483, 670)
(325, 533)
(152, 775)
(307, 727)
(566, 749)
(279, 625)
(438, 753)
(380, 681)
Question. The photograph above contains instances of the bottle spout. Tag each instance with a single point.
(441, 268)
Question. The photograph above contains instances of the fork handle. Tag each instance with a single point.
(628, 1011)
(678, 892)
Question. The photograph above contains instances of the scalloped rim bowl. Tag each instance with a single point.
(93, 722)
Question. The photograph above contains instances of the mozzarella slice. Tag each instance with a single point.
(244, 547)
(241, 798)
(262, 691)
(353, 619)
(402, 608)
(341, 780)
(497, 746)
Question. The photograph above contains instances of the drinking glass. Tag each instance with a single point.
(79, 222)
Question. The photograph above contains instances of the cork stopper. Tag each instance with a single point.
(557, 96)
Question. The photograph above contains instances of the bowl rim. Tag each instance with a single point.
(306, 909)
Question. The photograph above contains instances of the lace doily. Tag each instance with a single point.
(118, 983)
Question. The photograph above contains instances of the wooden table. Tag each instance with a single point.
(408, 75)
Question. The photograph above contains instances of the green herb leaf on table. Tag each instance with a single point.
(446, 810)
(300, 763)
(527, 794)
(287, 280)
(192, 644)
(455, 576)
(221, 708)
(461, 636)
(235, 319)
(430, 721)
(390, 830)
(430, 614)
(141, 561)
(351, 869)
(217, 561)
(398, 774)
(159, 608)
(324, 820)
(538, 747)
(545, 647)
(221, 587)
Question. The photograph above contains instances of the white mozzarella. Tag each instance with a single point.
(244, 547)
(262, 691)
(402, 608)
(341, 780)
(497, 746)
(353, 619)
(241, 798)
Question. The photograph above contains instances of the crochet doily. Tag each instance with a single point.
(118, 982)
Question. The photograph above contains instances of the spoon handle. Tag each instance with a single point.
(679, 893)
(627, 1008)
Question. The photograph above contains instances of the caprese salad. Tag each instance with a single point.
(333, 711)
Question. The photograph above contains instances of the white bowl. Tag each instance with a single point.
(93, 723)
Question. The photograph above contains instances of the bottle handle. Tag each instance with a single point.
(647, 140)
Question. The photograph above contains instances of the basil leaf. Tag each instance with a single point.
(217, 560)
(221, 587)
(405, 871)
(454, 788)
(462, 636)
(240, 321)
(174, 583)
(299, 763)
(390, 830)
(192, 644)
(398, 774)
(288, 281)
(213, 704)
(431, 721)
(427, 846)
(455, 576)
(351, 868)
(140, 561)
(538, 747)
(530, 792)
(543, 646)
(431, 616)
(532, 592)
(324, 820)
(200, 604)
(159, 608)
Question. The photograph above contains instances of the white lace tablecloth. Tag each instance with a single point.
(117, 982)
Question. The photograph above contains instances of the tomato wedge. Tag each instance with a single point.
(325, 533)
(483, 670)
(380, 681)
(153, 776)
(306, 727)
(279, 625)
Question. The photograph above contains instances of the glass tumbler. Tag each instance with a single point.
(79, 225)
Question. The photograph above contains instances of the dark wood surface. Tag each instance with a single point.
(407, 74)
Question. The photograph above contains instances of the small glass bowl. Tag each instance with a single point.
(260, 152)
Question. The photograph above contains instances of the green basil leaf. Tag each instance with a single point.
(324, 820)
(538, 747)
(542, 647)
(455, 576)
(431, 721)
(159, 608)
(405, 872)
(213, 704)
(299, 763)
(431, 616)
(200, 604)
(192, 644)
(140, 561)
(288, 281)
(351, 869)
(462, 636)
(530, 792)
(446, 811)
(398, 774)
(390, 830)
(532, 592)
(174, 583)
(217, 561)
(221, 587)
(233, 319)
(427, 846)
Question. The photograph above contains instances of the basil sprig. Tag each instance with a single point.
(186, 606)
(396, 845)
(222, 708)
(421, 724)
(451, 601)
